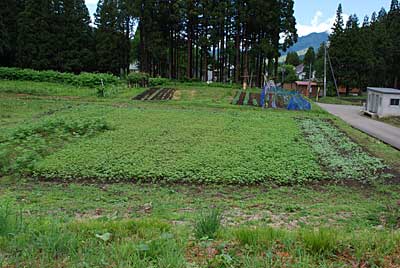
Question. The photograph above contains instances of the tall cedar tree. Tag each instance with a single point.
(368, 55)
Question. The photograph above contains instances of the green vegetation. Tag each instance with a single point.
(81, 80)
(134, 225)
(169, 145)
(329, 218)
(394, 121)
(342, 158)
(208, 224)
(373, 61)
(357, 101)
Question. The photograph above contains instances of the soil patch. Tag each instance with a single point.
(155, 94)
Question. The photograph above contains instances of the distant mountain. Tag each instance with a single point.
(312, 40)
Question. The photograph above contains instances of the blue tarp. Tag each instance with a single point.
(298, 103)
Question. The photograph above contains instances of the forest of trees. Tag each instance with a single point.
(367, 54)
(177, 39)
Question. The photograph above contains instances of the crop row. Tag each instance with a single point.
(341, 157)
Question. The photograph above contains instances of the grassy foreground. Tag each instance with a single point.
(339, 207)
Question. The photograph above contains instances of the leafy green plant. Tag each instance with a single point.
(138, 79)
(246, 98)
(154, 82)
(81, 80)
(208, 224)
(341, 157)
(236, 98)
(215, 148)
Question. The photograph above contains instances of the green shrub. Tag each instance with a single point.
(208, 224)
(154, 82)
(138, 79)
(81, 80)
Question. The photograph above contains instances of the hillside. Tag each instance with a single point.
(312, 40)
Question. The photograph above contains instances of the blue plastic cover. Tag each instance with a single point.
(298, 103)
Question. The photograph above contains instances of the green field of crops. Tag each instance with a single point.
(89, 180)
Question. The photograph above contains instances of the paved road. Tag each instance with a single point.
(351, 114)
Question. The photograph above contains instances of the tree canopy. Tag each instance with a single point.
(179, 39)
(367, 54)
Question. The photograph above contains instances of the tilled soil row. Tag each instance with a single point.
(156, 94)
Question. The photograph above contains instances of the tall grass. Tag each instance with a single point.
(10, 221)
(261, 236)
(208, 224)
(322, 241)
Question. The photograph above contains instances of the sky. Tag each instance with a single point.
(317, 15)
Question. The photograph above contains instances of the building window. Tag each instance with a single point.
(394, 102)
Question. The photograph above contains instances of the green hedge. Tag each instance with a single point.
(138, 79)
(82, 80)
(154, 82)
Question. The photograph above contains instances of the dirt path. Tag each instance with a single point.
(351, 114)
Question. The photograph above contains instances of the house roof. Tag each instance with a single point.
(300, 68)
(305, 83)
(384, 90)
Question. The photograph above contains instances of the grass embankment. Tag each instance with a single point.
(198, 137)
(394, 121)
(350, 100)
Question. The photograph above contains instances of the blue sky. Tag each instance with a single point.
(317, 15)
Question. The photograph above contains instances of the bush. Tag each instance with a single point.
(153, 82)
(138, 79)
(81, 80)
(208, 224)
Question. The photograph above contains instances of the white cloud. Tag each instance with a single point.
(318, 26)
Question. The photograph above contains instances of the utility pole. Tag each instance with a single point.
(309, 81)
(325, 62)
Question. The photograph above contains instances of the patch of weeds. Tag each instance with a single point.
(208, 224)
(321, 242)
(10, 221)
(163, 252)
(261, 236)
(293, 208)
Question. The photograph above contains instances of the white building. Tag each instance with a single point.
(383, 102)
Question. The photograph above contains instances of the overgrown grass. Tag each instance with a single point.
(48, 242)
(357, 100)
(208, 224)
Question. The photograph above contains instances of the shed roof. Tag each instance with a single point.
(305, 83)
(385, 90)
